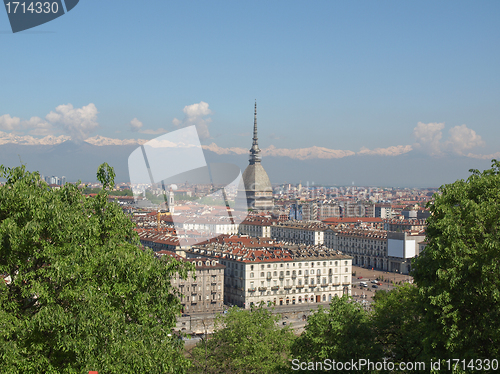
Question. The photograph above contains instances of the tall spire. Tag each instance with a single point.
(255, 151)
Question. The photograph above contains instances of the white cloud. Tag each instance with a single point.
(37, 126)
(135, 125)
(462, 138)
(428, 137)
(389, 151)
(194, 116)
(491, 156)
(78, 123)
(9, 123)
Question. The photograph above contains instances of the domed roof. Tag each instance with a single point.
(256, 178)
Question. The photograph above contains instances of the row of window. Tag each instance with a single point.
(306, 272)
(306, 281)
(263, 266)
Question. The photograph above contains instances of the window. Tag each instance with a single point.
(288, 272)
(300, 272)
(262, 267)
(275, 273)
(312, 271)
(251, 267)
(262, 274)
(306, 272)
(251, 275)
(312, 264)
(346, 270)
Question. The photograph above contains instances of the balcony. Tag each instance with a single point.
(346, 284)
(214, 283)
(213, 290)
(252, 289)
(282, 276)
(324, 285)
(294, 276)
(299, 286)
(288, 287)
(268, 277)
(262, 289)
(275, 288)
(312, 285)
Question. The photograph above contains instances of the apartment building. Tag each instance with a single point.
(286, 276)
(203, 290)
(383, 250)
(257, 226)
(299, 232)
(400, 225)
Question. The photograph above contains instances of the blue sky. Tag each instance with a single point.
(347, 75)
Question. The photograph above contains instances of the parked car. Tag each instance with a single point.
(374, 286)
(374, 281)
(360, 277)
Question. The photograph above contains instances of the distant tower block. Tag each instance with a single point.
(258, 187)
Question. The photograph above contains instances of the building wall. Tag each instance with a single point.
(203, 291)
(287, 282)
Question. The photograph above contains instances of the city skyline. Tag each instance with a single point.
(411, 85)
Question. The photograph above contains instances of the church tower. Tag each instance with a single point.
(257, 184)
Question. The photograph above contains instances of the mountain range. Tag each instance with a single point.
(80, 160)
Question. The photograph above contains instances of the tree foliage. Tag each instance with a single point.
(244, 341)
(341, 333)
(458, 273)
(83, 295)
(397, 322)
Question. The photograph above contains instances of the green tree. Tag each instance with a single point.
(83, 295)
(341, 333)
(244, 341)
(398, 324)
(458, 273)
